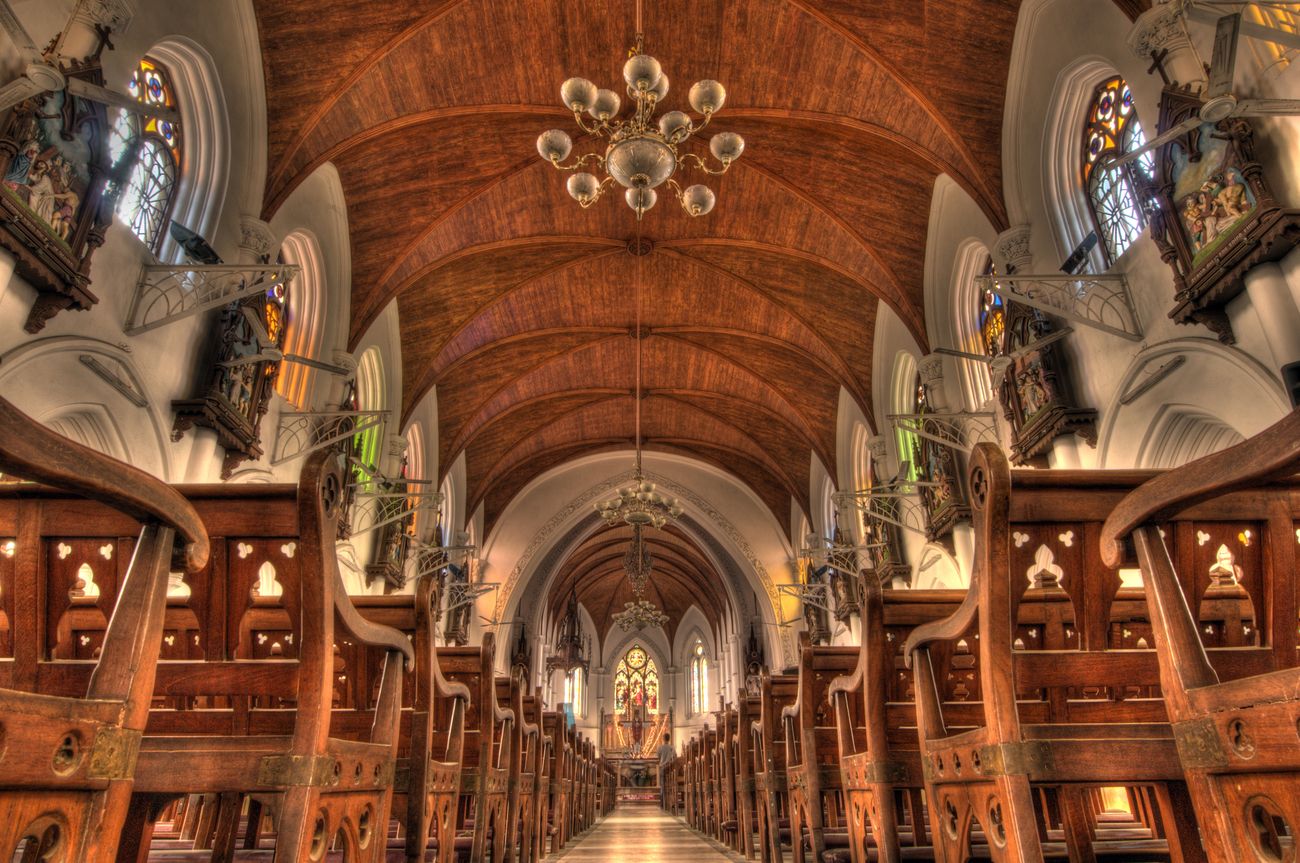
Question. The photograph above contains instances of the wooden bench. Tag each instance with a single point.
(776, 692)
(1237, 738)
(880, 762)
(68, 767)
(485, 782)
(811, 753)
(1054, 724)
(261, 725)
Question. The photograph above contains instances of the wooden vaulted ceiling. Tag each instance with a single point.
(682, 577)
(517, 305)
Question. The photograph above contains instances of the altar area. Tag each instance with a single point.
(630, 735)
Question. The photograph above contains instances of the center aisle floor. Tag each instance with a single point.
(641, 833)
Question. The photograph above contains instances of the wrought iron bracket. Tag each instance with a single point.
(303, 432)
(373, 510)
(895, 505)
(166, 294)
(959, 430)
(814, 595)
(461, 595)
(1101, 302)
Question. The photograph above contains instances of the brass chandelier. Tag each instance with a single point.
(643, 153)
(639, 615)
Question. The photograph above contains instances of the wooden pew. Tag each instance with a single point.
(748, 709)
(433, 747)
(553, 727)
(727, 768)
(812, 769)
(533, 778)
(1237, 738)
(777, 691)
(1055, 723)
(485, 782)
(875, 724)
(266, 728)
(68, 765)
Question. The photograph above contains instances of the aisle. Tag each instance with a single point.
(640, 833)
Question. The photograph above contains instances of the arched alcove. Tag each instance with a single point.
(305, 316)
(1179, 397)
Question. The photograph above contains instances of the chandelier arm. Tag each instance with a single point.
(590, 130)
(704, 166)
(598, 158)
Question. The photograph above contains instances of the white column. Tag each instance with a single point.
(1270, 296)
(931, 371)
(1064, 454)
(6, 273)
(204, 464)
(1011, 250)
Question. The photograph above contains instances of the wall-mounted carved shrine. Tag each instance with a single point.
(239, 374)
(54, 213)
(1215, 216)
(1030, 379)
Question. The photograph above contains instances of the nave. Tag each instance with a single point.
(642, 833)
(430, 434)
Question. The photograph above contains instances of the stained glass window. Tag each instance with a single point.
(636, 682)
(154, 147)
(992, 317)
(1112, 129)
(699, 680)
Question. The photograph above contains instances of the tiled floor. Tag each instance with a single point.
(641, 833)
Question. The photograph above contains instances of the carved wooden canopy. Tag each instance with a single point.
(517, 305)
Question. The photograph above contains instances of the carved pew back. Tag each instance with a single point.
(1235, 724)
(777, 691)
(489, 750)
(1068, 707)
(811, 753)
(68, 771)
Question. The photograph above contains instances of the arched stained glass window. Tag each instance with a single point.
(1112, 129)
(153, 148)
(699, 679)
(636, 682)
(992, 317)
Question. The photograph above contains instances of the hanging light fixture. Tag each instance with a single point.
(643, 152)
(639, 615)
(637, 562)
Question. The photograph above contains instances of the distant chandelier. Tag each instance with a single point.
(639, 615)
(642, 153)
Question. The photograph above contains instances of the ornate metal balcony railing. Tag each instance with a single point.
(303, 432)
(1101, 302)
(895, 504)
(170, 293)
(372, 509)
(960, 430)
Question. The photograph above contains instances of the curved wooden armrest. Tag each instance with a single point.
(34, 452)
(951, 627)
(1272, 454)
(791, 711)
(367, 632)
(503, 714)
(448, 688)
(530, 729)
(847, 683)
